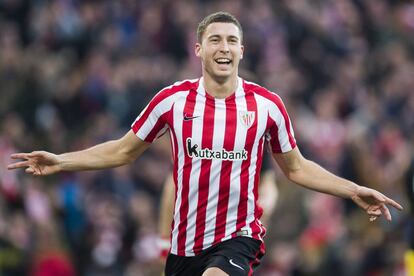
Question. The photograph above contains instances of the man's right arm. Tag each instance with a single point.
(106, 155)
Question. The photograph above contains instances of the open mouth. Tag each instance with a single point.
(223, 61)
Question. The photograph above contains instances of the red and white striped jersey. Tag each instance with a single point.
(217, 147)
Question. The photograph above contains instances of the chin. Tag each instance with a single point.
(226, 74)
(222, 77)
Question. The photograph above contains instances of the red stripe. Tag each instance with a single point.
(157, 127)
(187, 132)
(158, 98)
(226, 167)
(256, 261)
(287, 125)
(204, 180)
(273, 131)
(244, 177)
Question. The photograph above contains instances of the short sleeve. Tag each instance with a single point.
(153, 120)
(280, 134)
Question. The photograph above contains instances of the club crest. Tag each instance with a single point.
(247, 118)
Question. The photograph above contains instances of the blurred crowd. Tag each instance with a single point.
(76, 73)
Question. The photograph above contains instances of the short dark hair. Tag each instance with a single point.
(221, 17)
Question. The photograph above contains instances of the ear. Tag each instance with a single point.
(242, 51)
(197, 49)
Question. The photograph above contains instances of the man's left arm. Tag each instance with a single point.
(312, 176)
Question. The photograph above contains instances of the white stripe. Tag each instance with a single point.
(178, 128)
(239, 90)
(173, 149)
(215, 173)
(196, 137)
(200, 88)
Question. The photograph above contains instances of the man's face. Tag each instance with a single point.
(220, 50)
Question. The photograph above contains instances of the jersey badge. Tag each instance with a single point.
(247, 118)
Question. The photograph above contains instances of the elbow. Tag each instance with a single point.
(295, 173)
(125, 155)
(128, 159)
(292, 175)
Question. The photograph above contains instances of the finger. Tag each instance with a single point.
(372, 218)
(374, 212)
(393, 203)
(383, 199)
(29, 170)
(361, 203)
(35, 154)
(379, 197)
(386, 212)
(18, 165)
(19, 155)
(37, 172)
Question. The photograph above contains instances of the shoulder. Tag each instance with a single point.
(179, 86)
(251, 87)
(167, 95)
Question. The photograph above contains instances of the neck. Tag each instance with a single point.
(220, 89)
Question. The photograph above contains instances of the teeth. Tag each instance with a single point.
(223, 60)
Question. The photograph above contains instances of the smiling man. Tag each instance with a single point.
(219, 125)
(220, 49)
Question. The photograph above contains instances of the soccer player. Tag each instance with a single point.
(219, 125)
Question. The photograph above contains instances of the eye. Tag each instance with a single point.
(233, 40)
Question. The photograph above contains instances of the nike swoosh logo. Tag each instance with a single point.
(188, 118)
(236, 265)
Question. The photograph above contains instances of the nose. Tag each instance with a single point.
(224, 47)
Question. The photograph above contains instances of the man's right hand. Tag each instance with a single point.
(36, 162)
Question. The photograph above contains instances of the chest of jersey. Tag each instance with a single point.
(224, 129)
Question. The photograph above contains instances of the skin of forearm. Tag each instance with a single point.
(102, 156)
(312, 176)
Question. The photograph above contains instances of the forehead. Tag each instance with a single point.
(222, 29)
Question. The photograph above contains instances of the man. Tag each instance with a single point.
(218, 126)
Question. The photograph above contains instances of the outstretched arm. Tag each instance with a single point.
(310, 175)
(106, 155)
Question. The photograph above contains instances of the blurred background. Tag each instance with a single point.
(75, 73)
